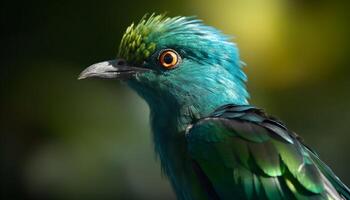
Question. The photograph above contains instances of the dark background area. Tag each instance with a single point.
(68, 139)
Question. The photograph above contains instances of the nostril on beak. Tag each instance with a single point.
(121, 62)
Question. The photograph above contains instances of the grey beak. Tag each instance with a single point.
(111, 69)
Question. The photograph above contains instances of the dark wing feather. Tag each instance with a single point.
(330, 176)
(245, 154)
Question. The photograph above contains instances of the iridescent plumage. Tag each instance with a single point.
(211, 143)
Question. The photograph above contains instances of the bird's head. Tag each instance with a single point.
(177, 63)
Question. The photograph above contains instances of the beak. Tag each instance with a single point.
(111, 69)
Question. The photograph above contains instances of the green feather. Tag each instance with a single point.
(266, 157)
(272, 187)
(135, 45)
(244, 177)
(260, 164)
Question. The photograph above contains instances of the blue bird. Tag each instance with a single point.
(211, 143)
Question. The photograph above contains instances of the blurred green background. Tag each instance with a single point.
(68, 139)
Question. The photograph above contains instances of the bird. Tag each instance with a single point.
(211, 142)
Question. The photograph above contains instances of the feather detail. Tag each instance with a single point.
(266, 160)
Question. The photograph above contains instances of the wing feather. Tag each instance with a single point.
(246, 154)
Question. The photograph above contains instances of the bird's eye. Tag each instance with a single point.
(169, 58)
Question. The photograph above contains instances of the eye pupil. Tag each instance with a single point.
(168, 58)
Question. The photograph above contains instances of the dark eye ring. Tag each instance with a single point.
(169, 58)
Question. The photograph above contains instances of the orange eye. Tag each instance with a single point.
(169, 59)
